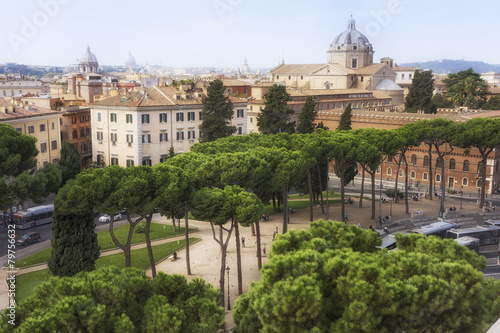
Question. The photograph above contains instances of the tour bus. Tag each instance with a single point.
(471, 243)
(492, 222)
(487, 235)
(388, 243)
(437, 229)
(33, 217)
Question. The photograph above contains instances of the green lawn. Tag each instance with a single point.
(26, 283)
(158, 231)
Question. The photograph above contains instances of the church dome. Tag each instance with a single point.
(130, 61)
(350, 36)
(387, 84)
(88, 58)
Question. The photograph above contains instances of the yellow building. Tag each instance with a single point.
(39, 122)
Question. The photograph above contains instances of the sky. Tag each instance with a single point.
(222, 33)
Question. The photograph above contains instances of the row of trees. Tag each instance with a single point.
(465, 88)
(332, 278)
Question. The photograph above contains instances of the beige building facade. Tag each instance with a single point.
(140, 128)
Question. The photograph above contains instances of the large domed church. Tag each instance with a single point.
(349, 67)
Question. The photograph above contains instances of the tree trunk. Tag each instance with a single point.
(483, 181)
(396, 196)
(274, 203)
(320, 180)
(126, 248)
(238, 258)
(309, 183)
(186, 233)
(342, 196)
(372, 176)
(152, 264)
(259, 254)
(406, 187)
(285, 208)
(173, 223)
(430, 172)
(253, 229)
(362, 188)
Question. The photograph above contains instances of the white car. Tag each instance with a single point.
(106, 218)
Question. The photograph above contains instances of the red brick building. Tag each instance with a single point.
(76, 128)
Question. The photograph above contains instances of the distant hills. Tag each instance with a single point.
(446, 66)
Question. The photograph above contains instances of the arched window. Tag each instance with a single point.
(425, 176)
(438, 178)
(413, 175)
(401, 173)
(479, 167)
(465, 182)
(439, 162)
(426, 160)
(378, 170)
(413, 159)
(452, 164)
(466, 165)
(389, 171)
(479, 182)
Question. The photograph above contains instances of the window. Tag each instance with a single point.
(45, 163)
(402, 76)
(389, 171)
(83, 147)
(466, 165)
(413, 175)
(180, 135)
(145, 118)
(87, 117)
(87, 131)
(191, 135)
(43, 147)
(413, 159)
(146, 138)
(54, 144)
(479, 183)
(19, 129)
(53, 125)
(390, 159)
(31, 129)
(130, 139)
(114, 138)
(191, 116)
(452, 164)
(409, 76)
(82, 119)
(179, 116)
(200, 116)
(114, 161)
(240, 113)
(354, 63)
(146, 162)
(251, 120)
(378, 170)
(112, 117)
(240, 130)
(82, 132)
(426, 160)
(99, 159)
(55, 160)
(128, 118)
(99, 136)
(465, 182)
(163, 158)
(354, 47)
(163, 117)
(130, 163)
(438, 178)
(42, 127)
(163, 137)
(99, 118)
(479, 167)
(73, 120)
(425, 176)
(401, 173)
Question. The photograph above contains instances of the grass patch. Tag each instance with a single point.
(26, 283)
(158, 231)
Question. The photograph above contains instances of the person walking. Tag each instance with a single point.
(345, 217)
(243, 241)
(264, 249)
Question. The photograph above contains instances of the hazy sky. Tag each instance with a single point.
(221, 33)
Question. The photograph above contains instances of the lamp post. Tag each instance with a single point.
(379, 222)
(461, 195)
(228, 295)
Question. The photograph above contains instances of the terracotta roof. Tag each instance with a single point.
(404, 69)
(297, 69)
(21, 112)
(232, 82)
(370, 69)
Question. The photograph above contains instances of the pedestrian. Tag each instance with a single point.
(276, 230)
(345, 217)
(386, 230)
(274, 235)
(264, 249)
(243, 241)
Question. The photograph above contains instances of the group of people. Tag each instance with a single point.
(349, 201)
(265, 217)
(415, 197)
(452, 209)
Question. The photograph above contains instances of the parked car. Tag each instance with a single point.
(29, 238)
(106, 218)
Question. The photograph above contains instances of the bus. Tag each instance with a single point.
(437, 229)
(487, 235)
(388, 243)
(492, 222)
(471, 243)
(33, 217)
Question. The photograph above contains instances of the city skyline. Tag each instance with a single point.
(222, 33)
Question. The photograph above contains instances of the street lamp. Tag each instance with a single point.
(461, 195)
(228, 296)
